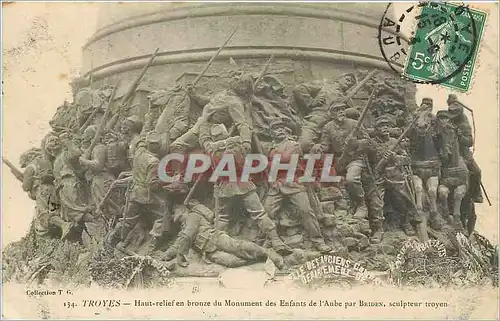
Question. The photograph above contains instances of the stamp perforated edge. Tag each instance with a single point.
(475, 57)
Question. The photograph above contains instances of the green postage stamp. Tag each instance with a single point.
(444, 45)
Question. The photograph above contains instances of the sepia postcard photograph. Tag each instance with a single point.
(280, 160)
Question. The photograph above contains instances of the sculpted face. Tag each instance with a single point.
(455, 110)
(339, 115)
(384, 129)
(242, 85)
(346, 82)
(422, 124)
(52, 145)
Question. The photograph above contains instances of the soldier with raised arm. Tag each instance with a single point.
(314, 100)
(147, 195)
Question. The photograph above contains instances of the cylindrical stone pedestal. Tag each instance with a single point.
(308, 41)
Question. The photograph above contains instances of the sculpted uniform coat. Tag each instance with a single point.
(393, 179)
(68, 185)
(315, 98)
(37, 181)
(332, 141)
(229, 192)
(146, 194)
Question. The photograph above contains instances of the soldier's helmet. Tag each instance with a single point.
(28, 156)
(337, 107)
(385, 120)
(274, 82)
(427, 101)
(219, 132)
(347, 80)
(158, 97)
(443, 114)
(51, 143)
(350, 76)
(153, 138)
(241, 83)
(90, 132)
(451, 98)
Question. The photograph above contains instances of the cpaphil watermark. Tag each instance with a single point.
(308, 168)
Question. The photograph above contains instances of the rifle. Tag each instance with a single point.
(358, 124)
(90, 118)
(116, 183)
(262, 73)
(360, 85)
(16, 172)
(485, 193)
(98, 134)
(164, 115)
(133, 87)
(400, 138)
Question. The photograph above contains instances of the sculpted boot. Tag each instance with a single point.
(361, 211)
(278, 244)
(435, 221)
(377, 233)
(65, 227)
(406, 226)
(456, 222)
(276, 259)
(320, 245)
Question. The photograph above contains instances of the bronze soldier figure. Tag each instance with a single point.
(465, 139)
(99, 174)
(198, 232)
(333, 140)
(215, 138)
(315, 98)
(68, 184)
(395, 177)
(147, 196)
(282, 191)
(455, 175)
(425, 149)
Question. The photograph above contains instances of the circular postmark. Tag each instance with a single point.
(443, 40)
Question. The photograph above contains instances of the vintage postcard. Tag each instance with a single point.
(250, 160)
